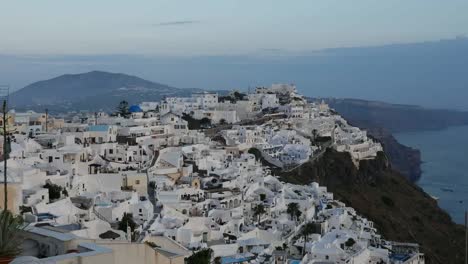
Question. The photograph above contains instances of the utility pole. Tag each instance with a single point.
(5, 158)
(46, 120)
(466, 237)
(4, 92)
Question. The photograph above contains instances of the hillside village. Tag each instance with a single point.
(160, 182)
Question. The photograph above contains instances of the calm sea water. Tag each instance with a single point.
(445, 166)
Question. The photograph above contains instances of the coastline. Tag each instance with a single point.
(443, 167)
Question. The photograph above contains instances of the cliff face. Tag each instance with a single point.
(400, 210)
(404, 159)
(382, 119)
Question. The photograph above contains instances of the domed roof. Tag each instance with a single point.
(135, 109)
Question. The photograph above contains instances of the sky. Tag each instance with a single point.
(398, 51)
(230, 27)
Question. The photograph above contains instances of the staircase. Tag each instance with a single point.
(100, 216)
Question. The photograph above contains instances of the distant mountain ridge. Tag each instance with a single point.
(395, 117)
(95, 90)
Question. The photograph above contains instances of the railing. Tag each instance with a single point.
(99, 215)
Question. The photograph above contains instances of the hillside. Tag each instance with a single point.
(400, 210)
(90, 91)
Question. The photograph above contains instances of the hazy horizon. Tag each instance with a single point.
(414, 73)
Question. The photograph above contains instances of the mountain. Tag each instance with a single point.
(400, 210)
(96, 90)
(432, 73)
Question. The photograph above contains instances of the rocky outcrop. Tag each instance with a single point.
(400, 210)
(404, 159)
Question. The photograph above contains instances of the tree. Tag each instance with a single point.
(294, 210)
(123, 110)
(255, 152)
(201, 257)
(307, 230)
(259, 210)
(10, 241)
(55, 191)
(205, 122)
(350, 242)
(314, 134)
(127, 220)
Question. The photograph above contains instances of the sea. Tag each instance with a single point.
(445, 166)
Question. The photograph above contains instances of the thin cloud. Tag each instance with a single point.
(177, 23)
(273, 50)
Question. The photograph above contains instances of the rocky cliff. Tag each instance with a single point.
(400, 210)
(382, 119)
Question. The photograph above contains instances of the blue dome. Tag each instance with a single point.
(135, 109)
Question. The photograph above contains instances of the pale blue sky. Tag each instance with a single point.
(218, 27)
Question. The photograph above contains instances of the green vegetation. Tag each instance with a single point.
(307, 230)
(123, 109)
(55, 191)
(25, 209)
(195, 124)
(259, 210)
(10, 240)
(201, 257)
(294, 211)
(233, 97)
(349, 243)
(127, 220)
(387, 201)
(255, 152)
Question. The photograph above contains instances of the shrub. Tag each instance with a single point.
(350, 242)
(388, 201)
(127, 220)
(55, 191)
(201, 257)
(10, 241)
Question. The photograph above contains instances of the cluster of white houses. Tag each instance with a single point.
(80, 184)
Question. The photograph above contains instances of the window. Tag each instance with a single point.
(139, 210)
(137, 182)
(111, 151)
